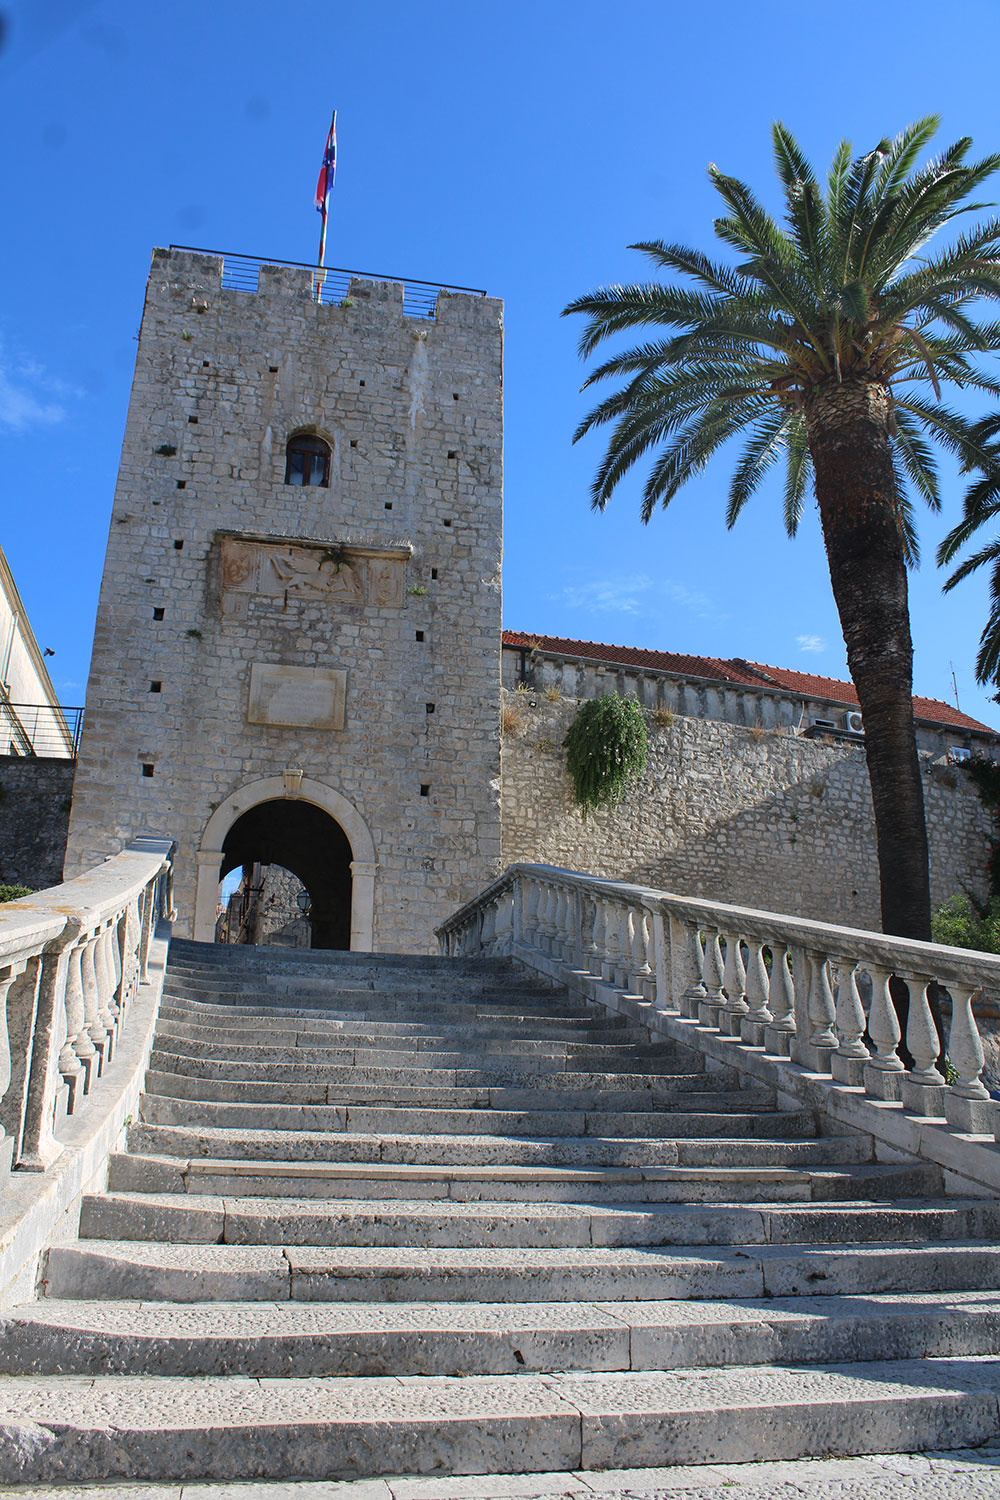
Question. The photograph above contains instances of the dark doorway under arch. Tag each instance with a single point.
(307, 841)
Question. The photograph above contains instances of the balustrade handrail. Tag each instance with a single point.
(784, 984)
(880, 948)
(71, 961)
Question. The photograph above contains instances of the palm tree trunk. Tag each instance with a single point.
(848, 427)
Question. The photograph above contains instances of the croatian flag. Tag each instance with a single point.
(328, 170)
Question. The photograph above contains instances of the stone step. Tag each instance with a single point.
(266, 1341)
(588, 1183)
(79, 1429)
(692, 1092)
(162, 1271)
(364, 1005)
(687, 1117)
(195, 1218)
(290, 1145)
(354, 996)
(542, 1057)
(376, 1076)
(264, 1031)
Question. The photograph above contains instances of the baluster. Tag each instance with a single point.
(922, 1089)
(646, 972)
(687, 963)
(883, 1071)
(104, 990)
(712, 979)
(502, 920)
(622, 948)
(78, 1039)
(489, 931)
(588, 918)
(779, 1032)
(529, 913)
(599, 938)
(561, 943)
(848, 1062)
(821, 1011)
(967, 1104)
(7, 977)
(115, 971)
(612, 942)
(734, 980)
(758, 1015)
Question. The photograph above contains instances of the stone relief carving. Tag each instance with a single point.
(287, 571)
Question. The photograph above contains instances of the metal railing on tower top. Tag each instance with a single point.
(330, 283)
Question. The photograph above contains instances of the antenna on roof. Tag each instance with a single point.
(954, 685)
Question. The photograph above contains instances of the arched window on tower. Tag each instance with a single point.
(307, 460)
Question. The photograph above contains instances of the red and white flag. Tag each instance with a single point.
(328, 170)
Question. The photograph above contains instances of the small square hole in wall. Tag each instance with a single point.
(147, 769)
(454, 395)
(434, 572)
(204, 364)
(425, 790)
(428, 708)
(388, 505)
(418, 635)
(354, 442)
(182, 484)
(194, 420)
(156, 686)
(446, 523)
(452, 453)
(157, 614)
(272, 369)
(361, 382)
(178, 546)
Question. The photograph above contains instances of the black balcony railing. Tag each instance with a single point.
(330, 283)
(43, 730)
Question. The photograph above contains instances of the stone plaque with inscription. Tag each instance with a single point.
(297, 697)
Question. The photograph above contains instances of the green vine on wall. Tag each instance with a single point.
(605, 750)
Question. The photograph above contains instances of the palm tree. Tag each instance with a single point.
(826, 343)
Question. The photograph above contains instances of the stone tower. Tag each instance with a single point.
(296, 657)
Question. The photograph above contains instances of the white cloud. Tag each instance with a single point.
(638, 595)
(811, 642)
(29, 395)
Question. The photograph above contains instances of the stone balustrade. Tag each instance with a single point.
(71, 961)
(815, 994)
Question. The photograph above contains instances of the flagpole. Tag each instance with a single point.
(322, 233)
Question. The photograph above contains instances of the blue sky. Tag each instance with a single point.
(511, 146)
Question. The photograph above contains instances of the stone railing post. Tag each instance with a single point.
(848, 1062)
(780, 1030)
(712, 980)
(922, 1089)
(967, 1105)
(758, 1015)
(883, 1072)
(734, 981)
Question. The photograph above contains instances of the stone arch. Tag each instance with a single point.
(270, 789)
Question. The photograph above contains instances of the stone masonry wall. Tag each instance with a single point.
(410, 611)
(757, 818)
(34, 819)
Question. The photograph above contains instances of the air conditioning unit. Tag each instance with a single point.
(823, 724)
(853, 722)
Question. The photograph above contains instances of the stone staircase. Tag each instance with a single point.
(405, 1216)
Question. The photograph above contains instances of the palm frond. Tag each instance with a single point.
(797, 473)
(768, 440)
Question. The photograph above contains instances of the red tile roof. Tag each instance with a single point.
(735, 670)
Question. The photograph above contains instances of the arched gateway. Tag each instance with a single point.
(262, 817)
